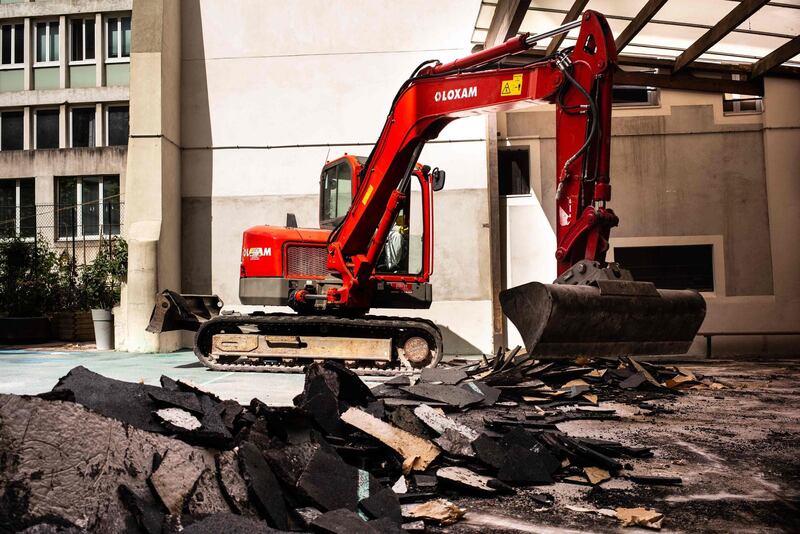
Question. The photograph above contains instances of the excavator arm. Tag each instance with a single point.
(577, 81)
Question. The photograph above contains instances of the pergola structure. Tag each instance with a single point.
(723, 46)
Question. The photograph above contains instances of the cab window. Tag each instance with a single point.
(336, 191)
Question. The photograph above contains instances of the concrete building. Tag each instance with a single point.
(64, 76)
(236, 106)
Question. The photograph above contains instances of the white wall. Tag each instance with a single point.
(269, 74)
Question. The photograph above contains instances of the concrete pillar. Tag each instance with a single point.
(63, 126)
(27, 129)
(100, 125)
(63, 53)
(99, 50)
(152, 184)
(27, 56)
(782, 160)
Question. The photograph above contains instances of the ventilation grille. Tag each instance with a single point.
(303, 261)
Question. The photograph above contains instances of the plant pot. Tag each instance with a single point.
(103, 329)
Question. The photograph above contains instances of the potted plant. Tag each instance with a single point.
(101, 281)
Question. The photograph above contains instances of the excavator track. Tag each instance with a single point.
(398, 329)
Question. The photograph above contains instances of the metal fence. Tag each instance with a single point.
(78, 230)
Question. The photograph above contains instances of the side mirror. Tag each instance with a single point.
(438, 176)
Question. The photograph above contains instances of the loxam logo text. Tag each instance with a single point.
(456, 94)
(255, 253)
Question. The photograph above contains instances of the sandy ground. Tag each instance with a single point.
(736, 449)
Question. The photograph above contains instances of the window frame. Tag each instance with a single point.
(35, 140)
(107, 123)
(653, 97)
(517, 148)
(18, 209)
(13, 65)
(75, 62)
(717, 253)
(12, 110)
(50, 61)
(71, 109)
(79, 235)
(106, 20)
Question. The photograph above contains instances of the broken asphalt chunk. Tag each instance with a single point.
(383, 503)
(417, 453)
(177, 419)
(174, 480)
(463, 478)
(438, 421)
(148, 514)
(177, 399)
(330, 483)
(263, 486)
(228, 524)
(459, 396)
(341, 521)
(489, 451)
(653, 480)
(442, 375)
(233, 486)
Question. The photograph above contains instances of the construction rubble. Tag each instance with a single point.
(97, 454)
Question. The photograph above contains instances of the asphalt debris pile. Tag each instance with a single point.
(100, 454)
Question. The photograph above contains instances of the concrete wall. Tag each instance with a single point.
(265, 75)
(683, 172)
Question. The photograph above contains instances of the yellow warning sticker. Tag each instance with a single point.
(367, 195)
(512, 87)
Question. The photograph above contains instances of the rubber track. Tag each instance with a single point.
(378, 324)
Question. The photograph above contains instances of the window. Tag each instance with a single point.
(670, 266)
(47, 42)
(82, 129)
(88, 206)
(11, 130)
(118, 38)
(117, 125)
(17, 208)
(404, 248)
(733, 103)
(514, 171)
(82, 40)
(336, 191)
(47, 128)
(12, 37)
(629, 95)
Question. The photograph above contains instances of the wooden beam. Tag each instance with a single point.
(666, 64)
(507, 19)
(686, 82)
(775, 58)
(644, 15)
(573, 13)
(730, 21)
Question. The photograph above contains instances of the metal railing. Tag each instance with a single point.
(78, 230)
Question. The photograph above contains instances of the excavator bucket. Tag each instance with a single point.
(606, 318)
(174, 311)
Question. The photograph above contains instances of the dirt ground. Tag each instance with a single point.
(736, 450)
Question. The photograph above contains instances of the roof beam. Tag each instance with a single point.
(775, 58)
(507, 19)
(644, 15)
(573, 13)
(730, 21)
(686, 82)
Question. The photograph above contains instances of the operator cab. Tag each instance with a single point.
(408, 246)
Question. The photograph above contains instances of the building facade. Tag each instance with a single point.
(236, 106)
(64, 108)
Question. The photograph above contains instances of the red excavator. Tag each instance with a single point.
(375, 245)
